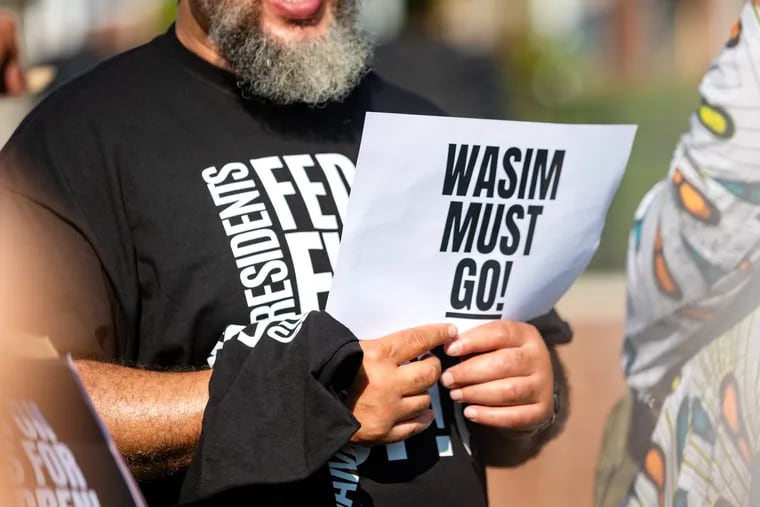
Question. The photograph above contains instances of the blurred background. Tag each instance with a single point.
(578, 61)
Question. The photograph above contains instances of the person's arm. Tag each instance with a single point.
(52, 284)
(154, 417)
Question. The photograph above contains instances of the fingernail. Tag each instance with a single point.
(454, 349)
(447, 379)
(456, 394)
(471, 413)
(453, 331)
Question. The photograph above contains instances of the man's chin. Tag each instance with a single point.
(297, 20)
(311, 54)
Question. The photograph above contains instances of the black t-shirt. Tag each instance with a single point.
(159, 163)
(148, 205)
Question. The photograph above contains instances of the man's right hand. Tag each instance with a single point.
(390, 394)
(11, 75)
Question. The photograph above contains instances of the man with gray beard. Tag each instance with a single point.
(194, 188)
(311, 68)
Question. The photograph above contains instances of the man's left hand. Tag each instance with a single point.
(505, 377)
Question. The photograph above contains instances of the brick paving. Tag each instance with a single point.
(563, 474)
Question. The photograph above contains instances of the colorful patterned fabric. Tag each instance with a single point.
(693, 250)
(696, 236)
(704, 449)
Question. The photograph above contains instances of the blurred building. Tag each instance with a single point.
(60, 39)
(463, 79)
(459, 54)
(66, 37)
(626, 38)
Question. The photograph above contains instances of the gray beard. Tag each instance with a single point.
(312, 72)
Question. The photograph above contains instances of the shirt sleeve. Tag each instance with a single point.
(553, 328)
(276, 412)
(53, 281)
(694, 244)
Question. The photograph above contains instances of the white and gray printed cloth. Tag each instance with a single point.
(692, 258)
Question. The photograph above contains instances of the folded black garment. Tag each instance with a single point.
(554, 330)
(276, 413)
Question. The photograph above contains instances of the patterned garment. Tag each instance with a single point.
(704, 446)
(696, 235)
(694, 248)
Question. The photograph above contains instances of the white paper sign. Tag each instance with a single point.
(465, 220)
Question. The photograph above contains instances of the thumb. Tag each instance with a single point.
(413, 342)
